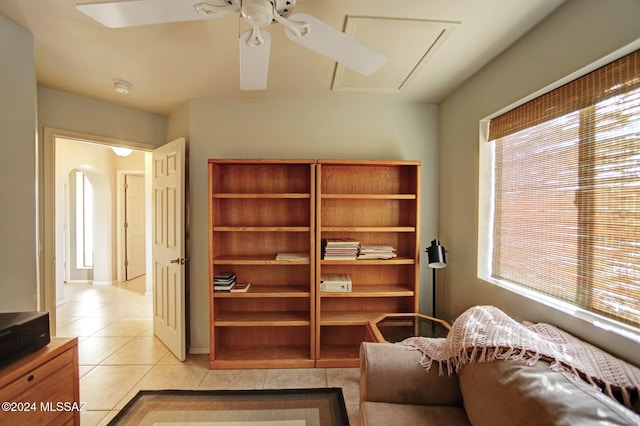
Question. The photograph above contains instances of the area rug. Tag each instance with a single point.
(278, 407)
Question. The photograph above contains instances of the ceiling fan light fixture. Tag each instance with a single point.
(122, 87)
(258, 13)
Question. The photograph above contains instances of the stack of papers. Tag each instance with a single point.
(372, 251)
(340, 248)
(292, 257)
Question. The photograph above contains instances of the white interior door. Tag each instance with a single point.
(168, 246)
(135, 238)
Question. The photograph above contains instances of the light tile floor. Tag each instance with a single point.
(119, 355)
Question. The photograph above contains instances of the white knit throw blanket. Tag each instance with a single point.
(485, 333)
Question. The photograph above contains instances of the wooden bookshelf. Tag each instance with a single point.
(374, 202)
(257, 209)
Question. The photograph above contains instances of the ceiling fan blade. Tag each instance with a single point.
(119, 14)
(254, 62)
(336, 45)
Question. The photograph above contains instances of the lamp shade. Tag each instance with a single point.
(436, 254)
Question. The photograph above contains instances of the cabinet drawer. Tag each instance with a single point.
(37, 392)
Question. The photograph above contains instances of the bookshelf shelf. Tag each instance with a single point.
(370, 196)
(261, 229)
(262, 319)
(274, 291)
(372, 202)
(395, 261)
(254, 356)
(257, 209)
(257, 260)
(409, 229)
(375, 291)
(262, 195)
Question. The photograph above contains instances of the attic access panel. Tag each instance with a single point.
(419, 40)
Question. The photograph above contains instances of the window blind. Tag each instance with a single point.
(566, 218)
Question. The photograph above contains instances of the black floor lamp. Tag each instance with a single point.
(437, 260)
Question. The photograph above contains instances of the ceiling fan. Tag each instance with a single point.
(255, 44)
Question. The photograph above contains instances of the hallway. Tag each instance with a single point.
(120, 356)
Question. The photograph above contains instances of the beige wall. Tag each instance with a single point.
(577, 34)
(261, 129)
(62, 110)
(18, 285)
(294, 129)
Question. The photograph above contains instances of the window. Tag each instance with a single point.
(84, 222)
(565, 214)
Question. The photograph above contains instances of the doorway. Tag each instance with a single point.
(68, 155)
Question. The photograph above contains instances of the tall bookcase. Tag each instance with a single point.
(373, 202)
(258, 209)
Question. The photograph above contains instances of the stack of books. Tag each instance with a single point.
(340, 248)
(372, 251)
(227, 283)
(224, 282)
(335, 283)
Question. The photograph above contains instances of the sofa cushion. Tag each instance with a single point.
(385, 414)
(511, 392)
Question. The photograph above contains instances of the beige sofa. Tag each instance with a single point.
(396, 390)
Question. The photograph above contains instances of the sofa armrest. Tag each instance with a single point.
(392, 373)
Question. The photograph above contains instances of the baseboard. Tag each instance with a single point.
(198, 351)
(77, 282)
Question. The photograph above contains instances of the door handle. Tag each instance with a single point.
(179, 260)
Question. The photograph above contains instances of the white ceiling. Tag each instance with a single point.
(432, 46)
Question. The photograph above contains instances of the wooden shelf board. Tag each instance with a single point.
(276, 363)
(338, 356)
(263, 291)
(233, 357)
(371, 163)
(267, 161)
(395, 261)
(347, 318)
(256, 353)
(370, 196)
(262, 319)
(338, 363)
(261, 195)
(261, 229)
(374, 291)
(368, 229)
(256, 260)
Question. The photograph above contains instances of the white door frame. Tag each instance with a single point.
(47, 282)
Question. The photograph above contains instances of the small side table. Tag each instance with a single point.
(392, 328)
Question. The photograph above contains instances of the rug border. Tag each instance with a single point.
(336, 392)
